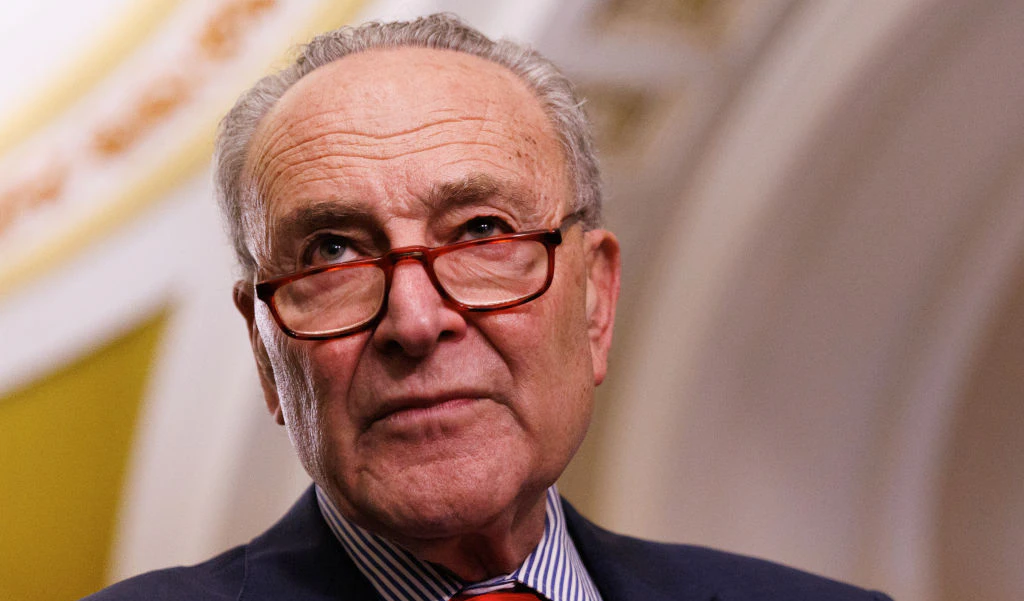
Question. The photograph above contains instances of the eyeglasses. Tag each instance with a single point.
(488, 274)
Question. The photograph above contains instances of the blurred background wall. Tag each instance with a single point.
(820, 347)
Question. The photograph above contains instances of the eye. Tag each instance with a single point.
(329, 248)
(485, 227)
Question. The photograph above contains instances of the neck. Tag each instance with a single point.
(495, 550)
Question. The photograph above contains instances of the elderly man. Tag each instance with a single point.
(430, 303)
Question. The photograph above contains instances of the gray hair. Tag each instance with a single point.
(239, 200)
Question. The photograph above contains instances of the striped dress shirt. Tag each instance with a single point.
(553, 569)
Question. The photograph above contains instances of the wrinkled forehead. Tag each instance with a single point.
(388, 93)
(373, 88)
(381, 105)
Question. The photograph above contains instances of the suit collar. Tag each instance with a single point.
(299, 559)
(627, 569)
(553, 568)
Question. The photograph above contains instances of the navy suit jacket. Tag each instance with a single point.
(299, 559)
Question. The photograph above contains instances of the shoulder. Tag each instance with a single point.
(213, 580)
(298, 557)
(734, 576)
(623, 565)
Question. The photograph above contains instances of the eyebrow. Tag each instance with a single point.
(464, 191)
(318, 215)
(476, 188)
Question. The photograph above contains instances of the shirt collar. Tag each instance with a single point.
(554, 568)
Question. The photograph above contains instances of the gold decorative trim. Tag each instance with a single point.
(155, 103)
(219, 38)
(60, 246)
(119, 42)
(623, 117)
(330, 16)
(704, 21)
(176, 170)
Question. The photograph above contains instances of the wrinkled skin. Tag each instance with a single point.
(438, 429)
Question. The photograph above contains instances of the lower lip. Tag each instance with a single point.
(445, 410)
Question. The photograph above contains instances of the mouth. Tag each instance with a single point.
(411, 410)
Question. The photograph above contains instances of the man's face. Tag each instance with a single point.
(433, 422)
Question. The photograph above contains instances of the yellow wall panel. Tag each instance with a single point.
(64, 446)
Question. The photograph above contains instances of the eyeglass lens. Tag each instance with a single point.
(477, 276)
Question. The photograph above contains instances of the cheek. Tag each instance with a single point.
(332, 364)
(302, 417)
(569, 367)
(546, 349)
(329, 369)
(311, 377)
(566, 310)
(553, 379)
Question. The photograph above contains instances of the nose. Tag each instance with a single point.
(416, 318)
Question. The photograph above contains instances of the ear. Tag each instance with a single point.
(246, 304)
(603, 272)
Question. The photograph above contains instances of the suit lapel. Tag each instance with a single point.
(299, 559)
(627, 569)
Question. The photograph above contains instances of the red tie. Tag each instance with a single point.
(498, 596)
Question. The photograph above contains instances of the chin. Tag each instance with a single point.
(437, 503)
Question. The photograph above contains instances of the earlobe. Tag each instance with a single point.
(245, 303)
(603, 274)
